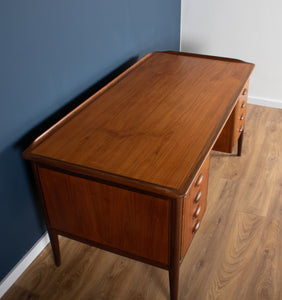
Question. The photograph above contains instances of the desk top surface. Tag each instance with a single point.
(152, 127)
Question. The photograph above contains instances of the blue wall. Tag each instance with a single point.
(53, 55)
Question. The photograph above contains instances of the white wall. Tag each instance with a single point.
(250, 30)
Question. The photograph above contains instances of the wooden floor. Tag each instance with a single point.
(237, 253)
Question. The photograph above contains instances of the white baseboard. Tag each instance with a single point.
(22, 265)
(265, 102)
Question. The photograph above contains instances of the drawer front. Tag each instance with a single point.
(194, 206)
(240, 111)
(230, 134)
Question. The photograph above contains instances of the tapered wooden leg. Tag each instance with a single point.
(240, 144)
(55, 247)
(174, 282)
(52, 235)
(176, 214)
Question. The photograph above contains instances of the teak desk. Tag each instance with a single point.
(127, 170)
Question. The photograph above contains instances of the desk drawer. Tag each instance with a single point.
(194, 206)
(239, 119)
(231, 132)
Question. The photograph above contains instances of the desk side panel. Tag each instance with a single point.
(124, 220)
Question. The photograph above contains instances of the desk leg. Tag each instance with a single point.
(240, 143)
(52, 235)
(55, 247)
(174, 282)
(176, 215)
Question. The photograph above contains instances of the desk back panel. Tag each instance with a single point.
(108, 215)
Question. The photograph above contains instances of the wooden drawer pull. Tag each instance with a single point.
(242, 117)
(241, 129)
(197, 212)
(245, 91)
(196, 227)
(198, 197)
(243, 105)
(200, 179)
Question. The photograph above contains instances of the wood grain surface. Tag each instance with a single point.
(236, 254)
(107, 215)
(154, 125)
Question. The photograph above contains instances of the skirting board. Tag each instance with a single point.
(22, 265)
(265, 102)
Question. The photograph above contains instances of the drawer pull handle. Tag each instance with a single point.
(200, 179)
(245, 92)
(196, 227)
(241, 129)
(243, 105)
(242, 117)
(196, 214)
(198, 197)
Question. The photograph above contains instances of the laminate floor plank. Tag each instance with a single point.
(234, 269)
(236, 254)
(265, 275)
(205, 251)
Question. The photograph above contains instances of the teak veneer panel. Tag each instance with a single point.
(152, 127)
(108, 215)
